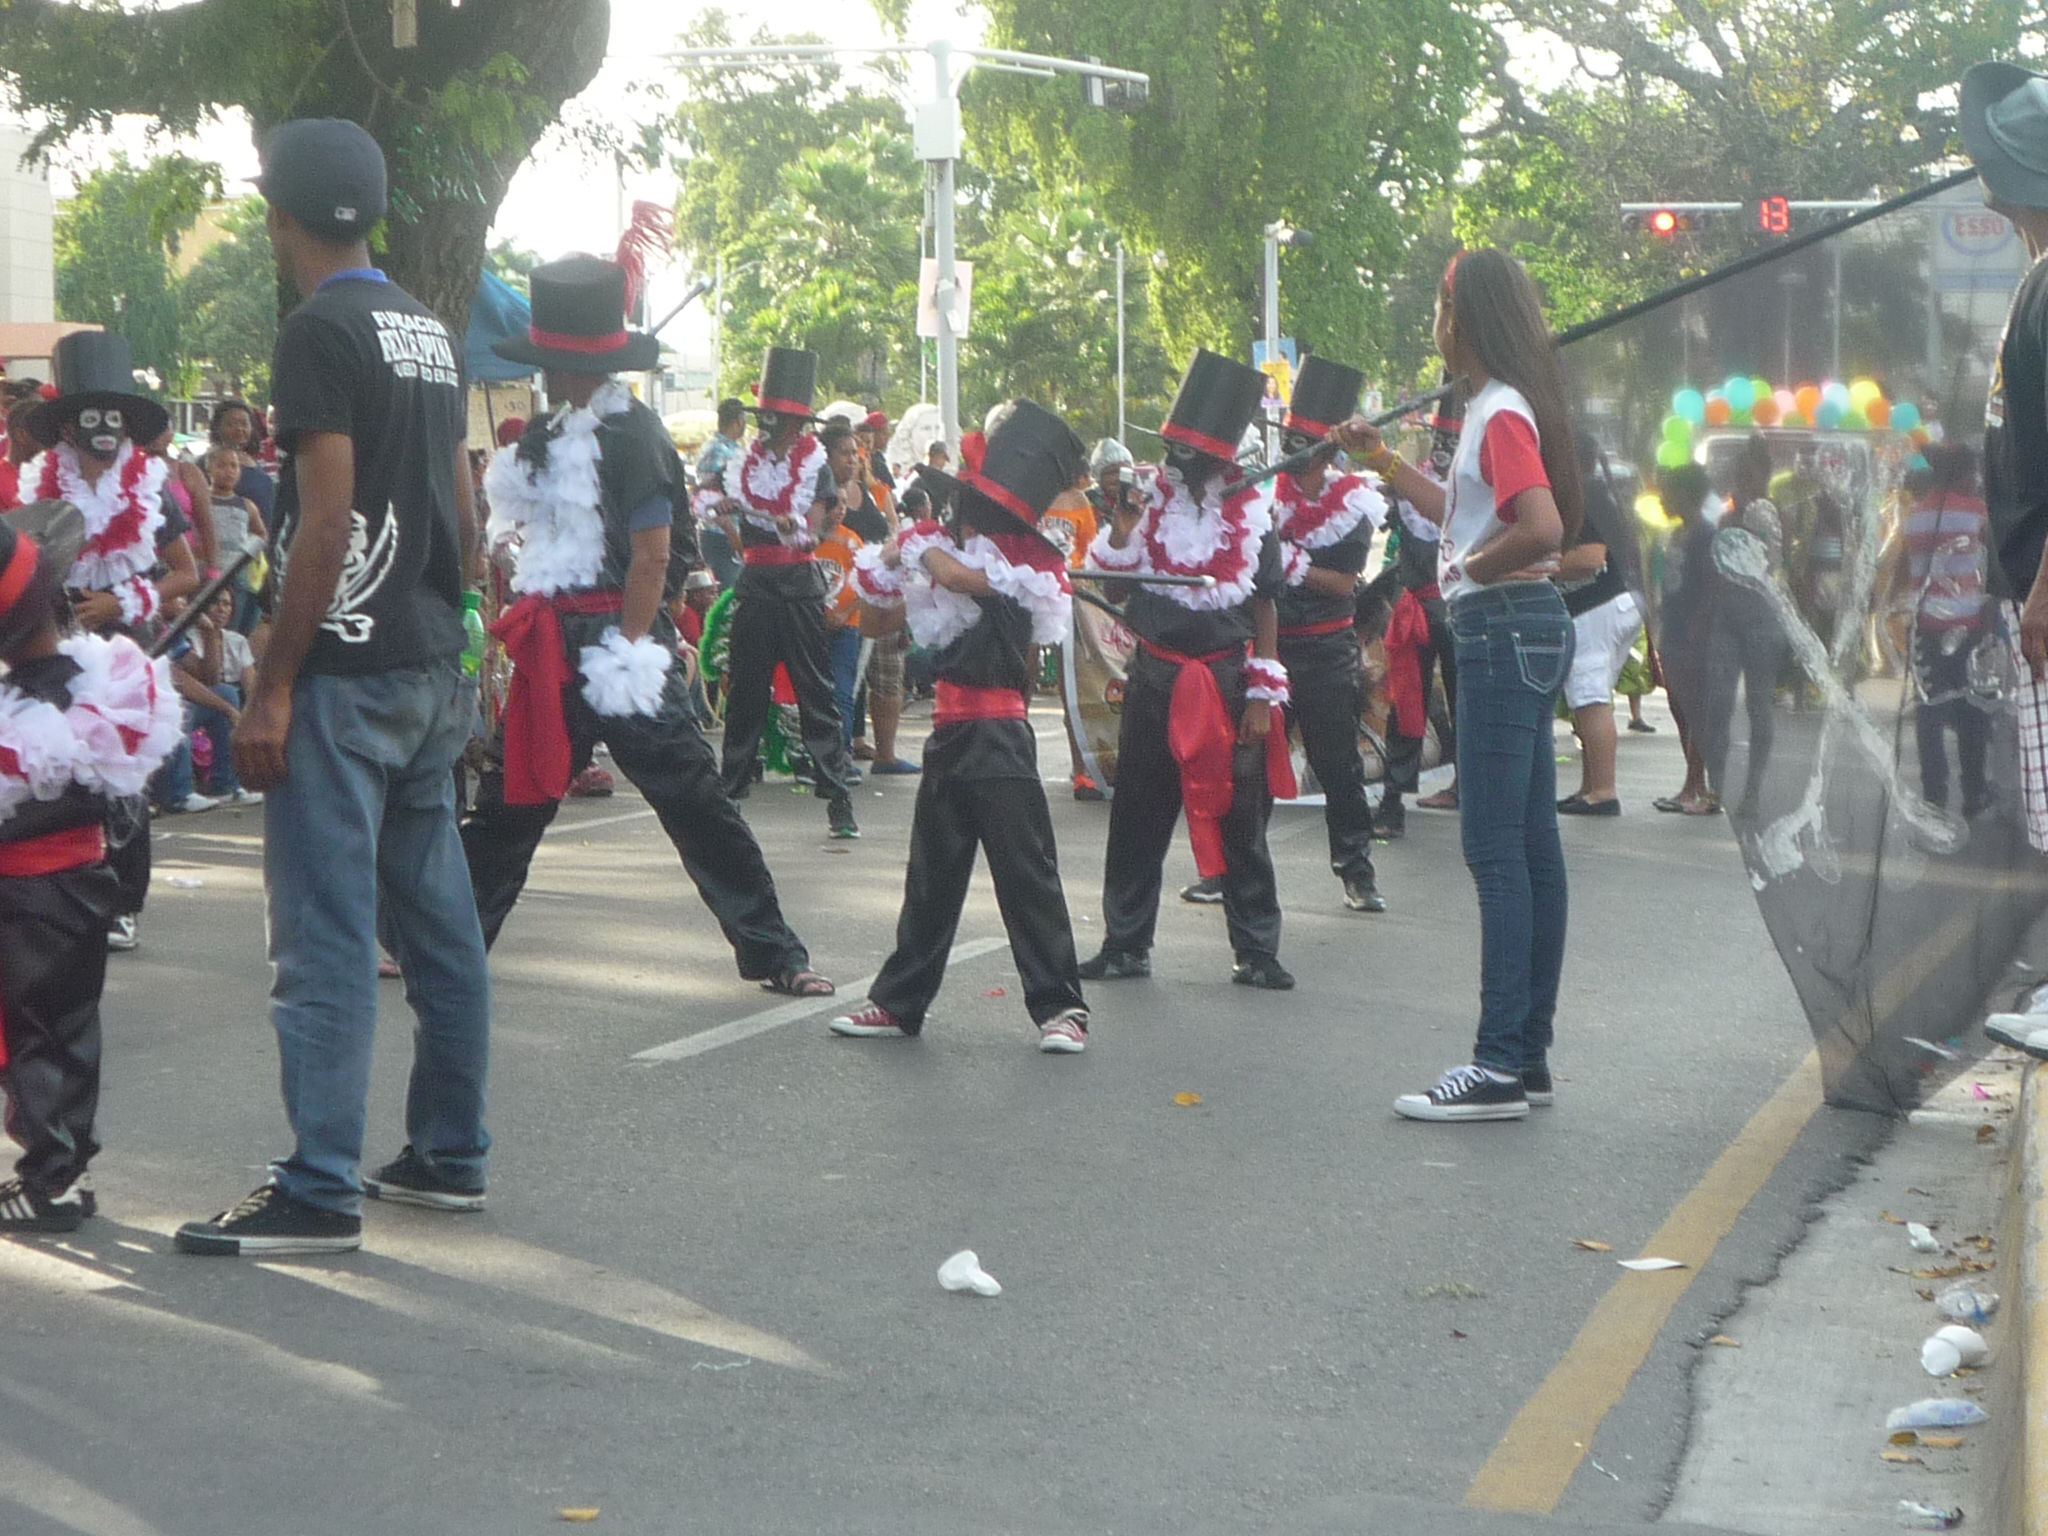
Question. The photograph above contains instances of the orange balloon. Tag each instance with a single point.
(1807, 397)
(1879, 412)
(1921, 437)
(1718, 412)
(1765, 412)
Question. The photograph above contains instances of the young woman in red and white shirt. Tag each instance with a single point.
(1513, 501)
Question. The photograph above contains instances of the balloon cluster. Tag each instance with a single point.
(1832, 407)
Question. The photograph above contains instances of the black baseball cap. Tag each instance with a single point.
(327, 173)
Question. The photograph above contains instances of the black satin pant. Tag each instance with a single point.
(767, 628)
(1326, 682)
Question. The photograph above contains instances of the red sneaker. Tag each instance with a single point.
(1086, 788)
(1066, 1034)
(871, 1023)
(593, 783)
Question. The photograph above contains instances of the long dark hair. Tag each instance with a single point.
(1495, 310)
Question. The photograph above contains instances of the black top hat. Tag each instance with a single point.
(788, 382)
(2004, 119)
(579, 321)
(95, 368)
(1214, 405)
(1032, 457)
(1325, 393)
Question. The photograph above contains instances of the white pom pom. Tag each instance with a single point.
(622, 677)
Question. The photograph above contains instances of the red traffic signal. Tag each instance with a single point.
(1769, 217)
(1666, 223)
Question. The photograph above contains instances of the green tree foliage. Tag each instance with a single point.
(456, 115)
(511, 264)
(230, 304)
(1341, 116)
(113, 258)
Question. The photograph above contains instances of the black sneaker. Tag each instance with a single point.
(1116, 965)
(1264, 972)
(839, 815)
(270, 1221)
(1204, 893)
(1362, 895)
(1536, 1087)
(1390, 821)
(407, 1180)
(1467, 1093)
(1642, 727)
(26, 1210)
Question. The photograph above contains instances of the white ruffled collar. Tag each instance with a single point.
(555, 511)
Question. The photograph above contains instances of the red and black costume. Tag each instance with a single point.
(1177, 744)
(77, 729)
(778, 614)
(568, 498)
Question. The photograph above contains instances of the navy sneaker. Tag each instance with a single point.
(23, 1209)
(408, 1180)
(270, 1221)
(1536, 1086)
(1468, 1093)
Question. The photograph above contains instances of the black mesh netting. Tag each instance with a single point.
(1800, 443)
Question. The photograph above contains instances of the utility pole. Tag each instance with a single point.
(937, 131)
(1120, 427)
(1278, 233)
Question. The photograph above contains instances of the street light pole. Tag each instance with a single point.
(1120, 428)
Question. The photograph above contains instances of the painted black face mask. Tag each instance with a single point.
(99, 432)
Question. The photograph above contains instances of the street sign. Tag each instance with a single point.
(1973, 250)
(927, 303)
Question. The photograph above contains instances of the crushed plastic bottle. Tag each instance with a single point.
(1939, 1357)
(1966, 1304)
(1915, 1516)
(1921, 1238)
(1968, 1343)
(1936, 1413)
(963, 1272)
(472, 634)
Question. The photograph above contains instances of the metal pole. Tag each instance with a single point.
(1120, 429)
(1272, 318)
(1835, 369)
(717, 325)
(948, 274)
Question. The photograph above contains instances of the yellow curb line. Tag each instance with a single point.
(2033, 1434)
(1535, 1460)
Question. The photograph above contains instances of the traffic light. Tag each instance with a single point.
(1768, 218)
(1664, 223)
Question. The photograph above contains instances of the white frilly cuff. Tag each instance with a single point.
(1045, 595)
(1294, 564)
(1265, 681)
(138, 599)
(879, 585)
(625, 677)
(1106, 557)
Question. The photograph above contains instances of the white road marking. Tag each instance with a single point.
(605, 821)
(789, 1013)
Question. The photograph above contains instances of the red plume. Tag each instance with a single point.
(650, 234)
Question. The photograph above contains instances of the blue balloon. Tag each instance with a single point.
(1905, 416)
(1836, 394)
(1831, 412)
(1690, 404)
(1741, 394)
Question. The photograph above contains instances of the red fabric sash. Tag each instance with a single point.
(1407, 634)
(775, 554)
(1201, 735)
(957, 702)
(1306, 631)
(536, 731)
(73, 848)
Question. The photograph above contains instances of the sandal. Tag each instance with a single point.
(1706, 805)
(799, 982)
(1442, 800)
(1671, 804)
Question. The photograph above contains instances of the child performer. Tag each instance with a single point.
(983, 600)
(1197, 727)
(83, 720)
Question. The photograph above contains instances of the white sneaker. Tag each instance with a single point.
(121, 933)
(2022, 1031)
(193, 802)
(244, 797)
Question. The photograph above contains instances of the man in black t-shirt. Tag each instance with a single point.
(358, 716)
(2004, 119)
(592, 645)
(1595, 580)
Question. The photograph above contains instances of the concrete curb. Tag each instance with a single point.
(2031, 1444)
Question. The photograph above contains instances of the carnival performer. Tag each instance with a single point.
(1325, 523)
(83, 719)
(587, 494)
(94, 432)
(1512, 503)
(1197, 730)
(781, 500)
(983, 597)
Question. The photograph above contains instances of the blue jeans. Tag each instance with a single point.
(1514, 645)
(369, 805)
(842, 657)
(220, 778)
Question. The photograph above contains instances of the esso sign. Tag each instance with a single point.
(1976, 232)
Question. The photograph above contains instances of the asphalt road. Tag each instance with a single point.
(704, 1296)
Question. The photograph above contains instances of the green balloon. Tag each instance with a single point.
(1670, 455)
(1677, 430)
(1854, 421)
